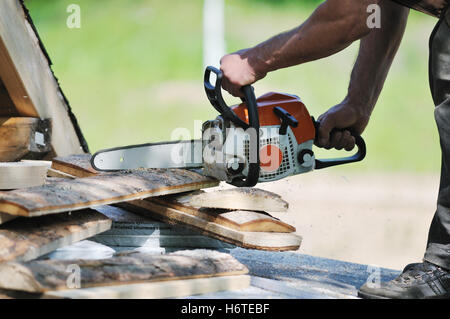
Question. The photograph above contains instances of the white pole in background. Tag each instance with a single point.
(213, 32)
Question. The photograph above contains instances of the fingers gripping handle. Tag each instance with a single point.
(358, 156)
(214, 94)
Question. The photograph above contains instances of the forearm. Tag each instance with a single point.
(376, 53)
(333, 26)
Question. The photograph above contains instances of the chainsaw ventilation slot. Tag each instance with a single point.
(288, 156)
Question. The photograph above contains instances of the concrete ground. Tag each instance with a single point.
(377, 219)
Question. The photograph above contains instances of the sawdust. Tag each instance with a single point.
(379, 219)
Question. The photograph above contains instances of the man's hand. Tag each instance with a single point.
(341, 116)
(239, 70)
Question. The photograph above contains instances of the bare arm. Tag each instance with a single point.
(376, 53)
(333, 26)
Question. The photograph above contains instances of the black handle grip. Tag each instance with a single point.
(358, 156)
(214, 94)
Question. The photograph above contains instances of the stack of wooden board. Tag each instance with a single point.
(128, 275)
(131, 231)
(43, 214)
(245, 228)
(25, 239)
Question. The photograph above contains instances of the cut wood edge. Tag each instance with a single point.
(266, 223)
(72, 169)
(261, 225)
(254, 240)
(15, 175)
(157, 290)
(16, 275)
(55, 173)
(243, 198)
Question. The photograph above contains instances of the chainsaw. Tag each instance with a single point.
(259, 140)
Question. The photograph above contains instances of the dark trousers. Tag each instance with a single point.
(438, 246)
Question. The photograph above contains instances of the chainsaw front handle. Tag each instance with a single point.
(357, 157)
(214, 94)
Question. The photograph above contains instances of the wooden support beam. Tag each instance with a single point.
(29, 80)
(25, 239)
(66, 195)
(126, 268)
(24, 138)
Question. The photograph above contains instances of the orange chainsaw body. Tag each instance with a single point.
(305, 130)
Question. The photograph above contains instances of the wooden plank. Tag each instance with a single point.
(157, 290)
(65, 195)
(254, 240)
(24, 137)
(29, 80)
(78, 165)
(131, 231)
(128, 268)
(238, 220)
(14, 175)
(242, 198)
(26, 239)
(55, 173)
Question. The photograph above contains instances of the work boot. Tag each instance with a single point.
(417, 281)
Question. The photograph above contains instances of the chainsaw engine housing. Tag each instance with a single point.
(285, 147)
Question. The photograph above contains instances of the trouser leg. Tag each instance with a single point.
(438, 246)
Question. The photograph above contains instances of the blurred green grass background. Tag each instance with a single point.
(133, 73)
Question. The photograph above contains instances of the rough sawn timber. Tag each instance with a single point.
(78, 165)
(24, 174)
(27, 239)
(247, 239)
(242, 198)
(128, 268)
(239, 220)
(75, 194)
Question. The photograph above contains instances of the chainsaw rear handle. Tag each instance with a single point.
(358, 156)
(214, 94)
